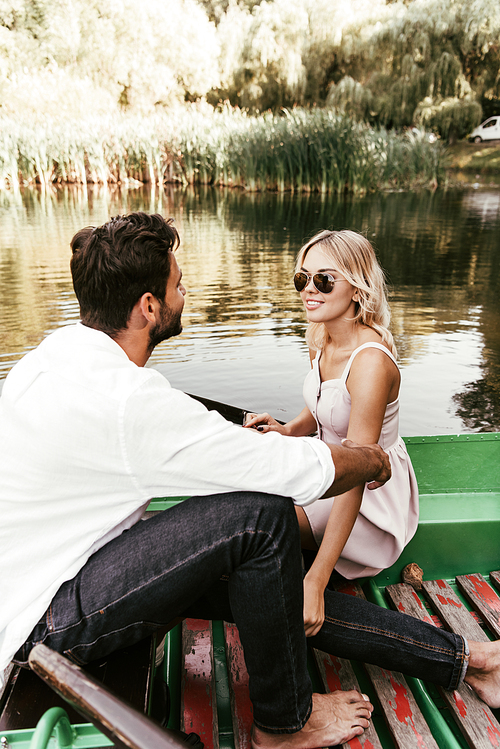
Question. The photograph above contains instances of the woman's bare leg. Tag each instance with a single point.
(306, 535)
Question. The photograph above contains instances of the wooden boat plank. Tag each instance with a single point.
(198, 693)
(401, 711)
(452, 611)
(495, 578)
(405, 599)
(474, 718)
(241, 706)
(482, 598)
(337, 673)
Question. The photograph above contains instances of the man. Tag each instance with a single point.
(88, 435)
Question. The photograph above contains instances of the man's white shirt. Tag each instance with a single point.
(87, 438)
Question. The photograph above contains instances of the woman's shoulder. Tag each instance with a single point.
(372, 355)
(372, 346)
(375, 349)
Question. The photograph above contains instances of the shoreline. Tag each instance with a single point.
(463, 165)
(474, 164)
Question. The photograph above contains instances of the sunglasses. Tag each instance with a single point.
(323, 282)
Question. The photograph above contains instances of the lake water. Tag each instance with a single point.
(243, 340)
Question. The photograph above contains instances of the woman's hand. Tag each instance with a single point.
(314, 607)
(263, 423)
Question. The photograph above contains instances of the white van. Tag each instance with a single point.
(487, 130)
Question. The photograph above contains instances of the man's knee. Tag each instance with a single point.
(276, 512)
(236, 512)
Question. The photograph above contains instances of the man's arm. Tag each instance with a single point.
(355, 465)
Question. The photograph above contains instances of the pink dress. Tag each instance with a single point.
(388, 516)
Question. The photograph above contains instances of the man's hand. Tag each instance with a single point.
(385, 471)
(358, 464)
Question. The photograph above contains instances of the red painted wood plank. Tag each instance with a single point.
(475, 719)
(241, 707)
(495, 578)
(401, 712)
(404, 598)
(483, 598)
(452, 611)
(404, 718)
(198, 698)
(337, 673)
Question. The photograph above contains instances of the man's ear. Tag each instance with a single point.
(147, 306)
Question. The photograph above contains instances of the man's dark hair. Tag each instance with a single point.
(115, 264)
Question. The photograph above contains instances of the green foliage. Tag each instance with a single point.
(216, 9)
(140, 55)
(351, 97)
(300, 150)
(97, 89)
(374, 60)
(453, 118)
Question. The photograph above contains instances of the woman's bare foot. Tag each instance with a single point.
(335, 718)
(483, 672)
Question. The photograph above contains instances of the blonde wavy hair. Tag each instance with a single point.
(354, 257)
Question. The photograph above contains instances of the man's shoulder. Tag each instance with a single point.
(76, 359)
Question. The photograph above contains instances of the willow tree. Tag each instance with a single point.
(85, 56)
(421, 62)
(262, 54)
(391, 63)
(279, 53)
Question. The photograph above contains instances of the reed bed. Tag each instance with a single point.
(298, 150)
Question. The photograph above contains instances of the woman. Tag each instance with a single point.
(351, 391)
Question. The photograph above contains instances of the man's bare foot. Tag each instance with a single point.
(335, 718)
(483, 672)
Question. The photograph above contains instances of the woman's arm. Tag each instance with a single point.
(301, 426)
(338, 529)
(373, 383)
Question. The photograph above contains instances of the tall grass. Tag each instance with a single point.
(300, 150)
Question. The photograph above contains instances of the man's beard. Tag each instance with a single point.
(170, 325)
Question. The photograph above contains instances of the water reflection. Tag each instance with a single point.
(244, 324)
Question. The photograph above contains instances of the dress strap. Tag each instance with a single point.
(370, 344)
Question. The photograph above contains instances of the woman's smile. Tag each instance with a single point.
(313, 303)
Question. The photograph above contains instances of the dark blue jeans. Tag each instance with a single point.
(234, 557)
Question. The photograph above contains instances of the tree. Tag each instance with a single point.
(137, 55)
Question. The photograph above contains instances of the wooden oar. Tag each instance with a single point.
(231, 413)
(124, 725)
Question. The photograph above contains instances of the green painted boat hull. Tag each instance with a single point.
(459, 489)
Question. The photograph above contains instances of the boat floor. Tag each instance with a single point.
(208, 682)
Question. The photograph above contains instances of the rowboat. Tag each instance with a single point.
(189, 686)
